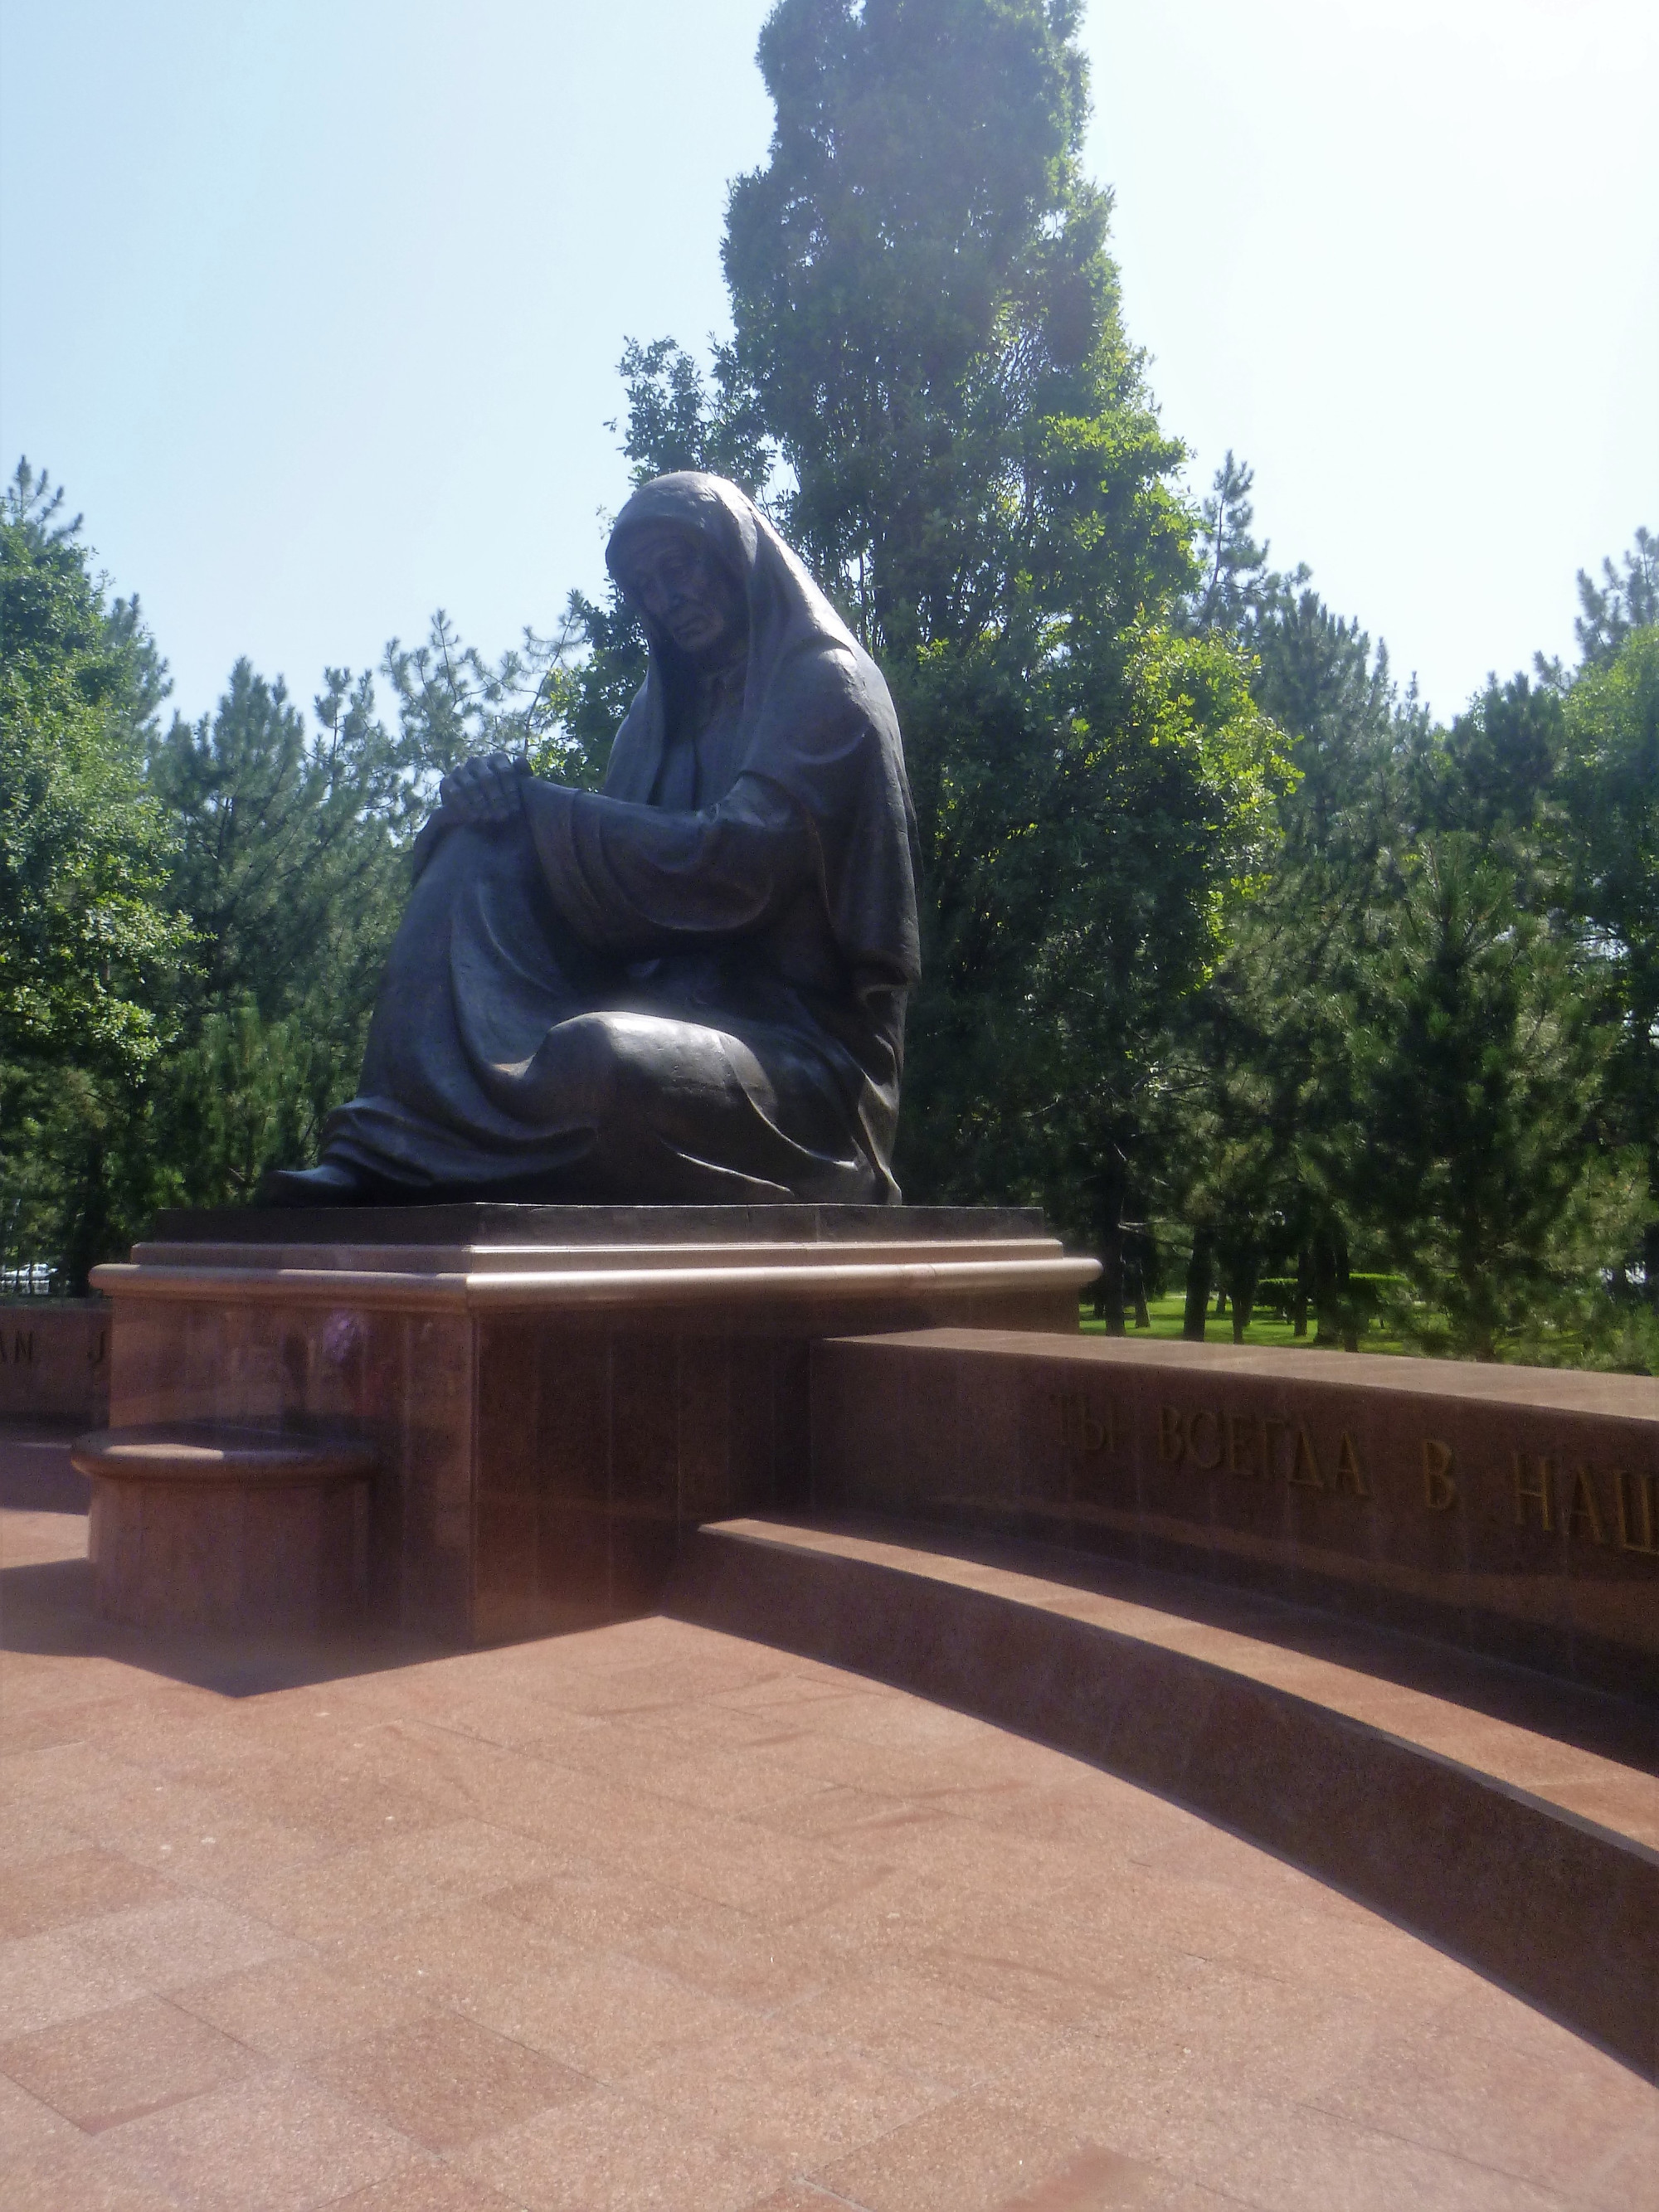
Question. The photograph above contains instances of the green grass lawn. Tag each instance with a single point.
(1165, 1315)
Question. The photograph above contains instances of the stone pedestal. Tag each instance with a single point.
(552, 1392)
(196, 1526)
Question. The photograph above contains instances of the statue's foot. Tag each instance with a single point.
(330, 1183)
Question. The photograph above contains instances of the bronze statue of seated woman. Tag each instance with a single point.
(691, 985)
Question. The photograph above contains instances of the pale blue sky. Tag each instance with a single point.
(315, 305)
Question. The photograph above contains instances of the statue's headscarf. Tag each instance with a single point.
(816, 717)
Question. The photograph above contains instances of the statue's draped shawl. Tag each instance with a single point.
(692, 984)
(816, 720)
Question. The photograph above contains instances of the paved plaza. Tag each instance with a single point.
(652, 1917)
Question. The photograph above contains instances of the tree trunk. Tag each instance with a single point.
(1345, 1303)
(1199, 1271)
(1108, 1291)
(1327, 1318)
(1241, 1291)
(1304, 1277)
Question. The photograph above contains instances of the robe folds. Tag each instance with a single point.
(689, 986)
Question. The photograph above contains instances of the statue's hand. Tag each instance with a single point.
(486, 791)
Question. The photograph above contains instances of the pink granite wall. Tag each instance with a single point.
(1529, 1530)
(54, 1358)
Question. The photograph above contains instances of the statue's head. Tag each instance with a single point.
(686, 593)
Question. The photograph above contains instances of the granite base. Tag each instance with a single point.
(554, 1393)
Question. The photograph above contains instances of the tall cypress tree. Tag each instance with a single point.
(928, 336)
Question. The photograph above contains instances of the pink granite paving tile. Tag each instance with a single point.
(26, 2125)
(1627, 2178)
(60, 1776)
(81, 2175)
(426, 2184)
(963, 1853)
(75, 1886)
(1073, 1806)
(1289, 2159)
(714, 1722)
(273, 2143)
(894, 1720)
(901, 1771)
(40, 1730)
(1041, 1968)
(609, 2015)
(444, 2082)
(451, 1956)
(339, 1895)
(33, 1538)
(458, 1776)
(1545, 2117)
(959, 2038)
(290, 2007)
(108, 2067)
(742, 1782)
(689, 1664)
(592, 1907)
(835, 1812)
(517, 1717)
(165, 1946)
(612, 2153)
(603, 2012)
(798, 2196)
(1289, 1940)
(978, 2154)
(28, 1833)
(203, 1840)
(768, 1873)
(1249, 2033)
(351, 1791)
(798, 1682)
(173, 1729)
(759, 1963)
(46, 1978)
(799, 2096)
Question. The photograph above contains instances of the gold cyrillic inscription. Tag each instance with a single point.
(1534, 1492)
(1349, 1475)
(1582, 1510)
(1241, 1434)
(1439, 1488)
(1304, 1466)
(1201, 1459)
(1635, 1528)
(1082, 1426)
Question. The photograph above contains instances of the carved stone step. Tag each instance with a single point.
(200, 1525)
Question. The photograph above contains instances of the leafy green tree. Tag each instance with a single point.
(926, 333)
(285, 846)
(1477, 1064)
(88, 945)
(1261, 1122)
(82, 848)
(1626, 599)
(1609, 789)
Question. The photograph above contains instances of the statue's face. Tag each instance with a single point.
(685, 590)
